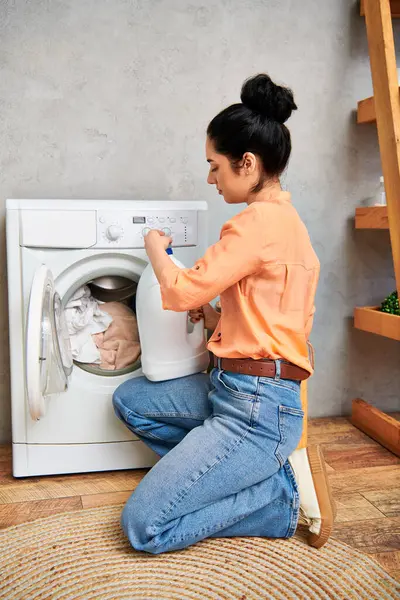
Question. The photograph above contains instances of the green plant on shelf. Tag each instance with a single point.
(391, 304)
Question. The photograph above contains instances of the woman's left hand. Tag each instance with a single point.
(155, 240)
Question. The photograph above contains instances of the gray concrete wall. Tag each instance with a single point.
(111, 99)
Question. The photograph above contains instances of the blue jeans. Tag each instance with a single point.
(224, 440)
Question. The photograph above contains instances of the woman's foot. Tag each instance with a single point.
(317, 507)
(325, 499)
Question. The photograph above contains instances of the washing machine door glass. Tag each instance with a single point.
(48, 351)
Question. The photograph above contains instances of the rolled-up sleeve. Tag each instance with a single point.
(237, 254)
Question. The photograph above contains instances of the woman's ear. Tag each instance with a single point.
(249, 163)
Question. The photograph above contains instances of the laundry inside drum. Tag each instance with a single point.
(101, 320)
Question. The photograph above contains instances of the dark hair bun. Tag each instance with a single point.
(261, 94)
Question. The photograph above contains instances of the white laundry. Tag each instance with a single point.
(84, 318)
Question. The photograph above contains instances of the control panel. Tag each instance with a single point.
(127, 229)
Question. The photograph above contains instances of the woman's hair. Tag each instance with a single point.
(256, 125)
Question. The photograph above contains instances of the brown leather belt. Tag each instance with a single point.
(260, 368)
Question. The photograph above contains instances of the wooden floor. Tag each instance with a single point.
(365, 479)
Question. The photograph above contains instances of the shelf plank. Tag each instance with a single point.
(366, 110)
(394, 8)
(372, 217)
(381, 427)
(369, 318)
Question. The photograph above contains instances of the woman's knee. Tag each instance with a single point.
(137, 521)
(126, 398)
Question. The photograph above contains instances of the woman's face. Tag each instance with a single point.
(234, 185)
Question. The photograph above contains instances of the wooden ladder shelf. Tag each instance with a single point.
(384, 109)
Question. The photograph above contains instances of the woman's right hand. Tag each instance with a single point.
(206, 312)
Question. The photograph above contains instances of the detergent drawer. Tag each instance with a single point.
(58, 228)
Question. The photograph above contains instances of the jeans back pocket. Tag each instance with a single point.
(290, 428)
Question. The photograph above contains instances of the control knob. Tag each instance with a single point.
(114, 232)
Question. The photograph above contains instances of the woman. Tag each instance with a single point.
(225, 439)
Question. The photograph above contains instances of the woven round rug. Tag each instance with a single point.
(84, 555)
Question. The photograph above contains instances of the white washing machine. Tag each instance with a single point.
(62, 415)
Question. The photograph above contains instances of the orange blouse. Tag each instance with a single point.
(265, 271)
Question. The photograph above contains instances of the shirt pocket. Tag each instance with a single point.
(266, 287)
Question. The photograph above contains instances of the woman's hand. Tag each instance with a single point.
(206, 312)
(155, 240)
(156, 243)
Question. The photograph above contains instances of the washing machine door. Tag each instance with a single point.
(47, 351)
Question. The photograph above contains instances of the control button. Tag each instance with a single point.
(114, 232)
(145, 231)
(184, 220)
(172, 220)
(102, 220)
(166, 231)
(161, 219)
(150, 219)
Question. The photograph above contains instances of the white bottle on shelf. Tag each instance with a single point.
(380, 196)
